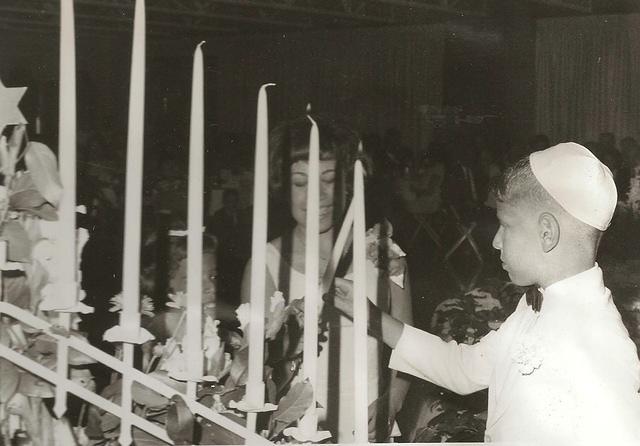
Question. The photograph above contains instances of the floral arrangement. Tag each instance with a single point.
(225, 375)
(30, 191)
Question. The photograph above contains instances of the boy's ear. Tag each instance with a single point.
(549, 230)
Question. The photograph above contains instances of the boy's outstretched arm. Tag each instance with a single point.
(460, 368)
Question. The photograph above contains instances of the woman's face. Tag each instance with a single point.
(299, 179)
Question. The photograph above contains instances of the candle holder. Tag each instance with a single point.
(244, 406)
(61, 297)
(301, 435)
(118, 333)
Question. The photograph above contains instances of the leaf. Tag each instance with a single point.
(240, 367)
(93, 428)
(215, 434)
(10, 380)
(19, 249)
(270, 386)
(42, 164)
(141, 438)
(17, 292)
(291, 407)
(110, 423)
(141, 394)
(26, 199)
(235, 394)
(216, 364)
(46, 212)
(31, 385)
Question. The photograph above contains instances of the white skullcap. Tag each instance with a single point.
(578, 181)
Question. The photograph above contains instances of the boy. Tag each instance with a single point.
(562, 368)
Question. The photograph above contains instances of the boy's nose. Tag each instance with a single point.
(497, 241)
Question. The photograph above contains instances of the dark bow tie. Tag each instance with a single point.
(534, 298)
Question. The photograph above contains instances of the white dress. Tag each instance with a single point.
(335, 392)
(568, 374)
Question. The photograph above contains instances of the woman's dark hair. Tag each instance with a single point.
(289, 143)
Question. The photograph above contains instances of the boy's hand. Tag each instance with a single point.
(343, 296)
(380, 325)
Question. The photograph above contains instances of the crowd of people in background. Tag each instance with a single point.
(448, 180)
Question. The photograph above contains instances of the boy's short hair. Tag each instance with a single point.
(518, 183)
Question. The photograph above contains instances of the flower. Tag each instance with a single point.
(277, 300)
(528, 355)
(178, 300)
(210, 340)
(243, 313)
(379, 238)
(146, 305)
(276, 315)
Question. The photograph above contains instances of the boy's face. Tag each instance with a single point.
(517, 241)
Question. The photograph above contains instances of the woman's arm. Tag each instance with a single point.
(245, 289)
(401, 310)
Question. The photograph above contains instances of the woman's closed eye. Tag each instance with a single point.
(299, 180)
(328, 176)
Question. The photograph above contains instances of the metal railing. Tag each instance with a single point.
(131, 374)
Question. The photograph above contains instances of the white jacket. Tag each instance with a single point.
(566, 375)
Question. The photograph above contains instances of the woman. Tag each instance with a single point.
(289, 153)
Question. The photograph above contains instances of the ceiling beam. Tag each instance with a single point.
(80, 18)
(585, 6)
(293, 8)
(442, 6)
(181, 9)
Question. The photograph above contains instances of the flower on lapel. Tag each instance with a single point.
(528, 355)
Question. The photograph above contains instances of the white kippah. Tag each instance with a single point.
(578, 181)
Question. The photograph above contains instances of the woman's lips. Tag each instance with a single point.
(324, 211)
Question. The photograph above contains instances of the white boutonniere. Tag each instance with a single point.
(528, 355)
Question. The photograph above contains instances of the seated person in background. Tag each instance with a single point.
(630, 163)
(226, 226)
(609, 154)
(562, 368)
(421, 190)
(460, 188)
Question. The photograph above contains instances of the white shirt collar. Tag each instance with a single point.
(581, 289)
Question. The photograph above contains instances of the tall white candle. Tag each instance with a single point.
(309, 422)
(66, 242)
(130, 315)
(255, 384)
(195, 216)
(360, 307)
